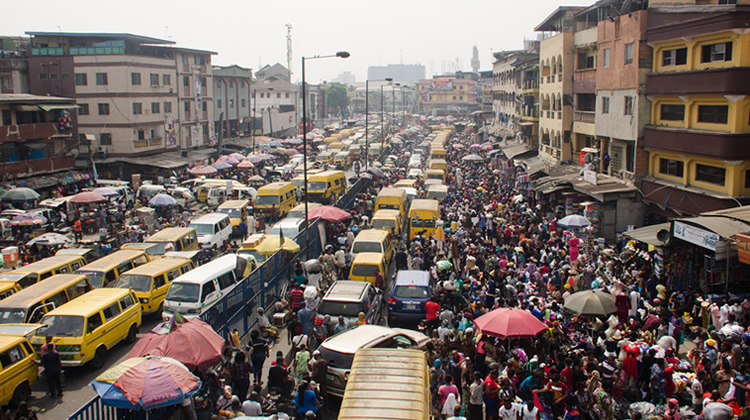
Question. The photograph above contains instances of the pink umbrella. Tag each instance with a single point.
(203, 170)
(87, 197)
(487, 147)
(292, 152)
(475, 146)
(239, 156)
(228, 160)
(329, 213)
(509, 323)
(245, 164)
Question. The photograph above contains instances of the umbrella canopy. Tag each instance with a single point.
(20, 194)
(271, 244)
(509, 323)
(377, 172)
(302, 146)
(50, 239)
(274, 143)
(293, 142)
(590, 302)
(238, 156)
(458, 146)
(228, 159)
(203, 170)
(245, 164)
(292, 152)
(143, 383)
(260, 157)
(329, 213)
(256, 178)
(472, 158)
(221, 166)
(106, 192)
(87, 197)
(26, 219)
(193, 343)
(574, 221)
(162, 200)
(487, 147)
(475, 146)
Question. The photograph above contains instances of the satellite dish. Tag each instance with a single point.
(663, 235)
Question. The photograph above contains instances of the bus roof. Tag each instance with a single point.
(209, 218)
(391, 192)
(386, 213)
(209, 270)
(168, 234)
(114, 258)
(437, 187)
(369, 257)
(53, 261)
(90, 302)
(234, 204)
(160, 265)
(32, 293)
(371, 235)
(424, 204)
(273, 187)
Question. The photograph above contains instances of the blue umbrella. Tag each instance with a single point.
(274, 144)
(221, 166)
(162, 200)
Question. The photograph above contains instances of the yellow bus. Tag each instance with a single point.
(438, 164)
(405, 183)
(388, 383)
(178, 239)
(366, 265)
(388, 220)
(19, 370)
(437, 152)
(373, 240)
(7, 288)
(150, 281)
(437, 192)
(237, 210)
(392, 198)
(30, 304)
(85, 328)
(326, 186)
(108, 269)
(341, 158)
(437, 174)
(40, 270)
(281, 195)
(423, 216)
(324, 158)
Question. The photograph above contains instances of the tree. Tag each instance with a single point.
(337, 97)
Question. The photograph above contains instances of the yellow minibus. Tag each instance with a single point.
(40, 270)
(19, 370)
(423, 216)
(388, 220)
(366, 265)
(437, 192)
(30, 304)
(108, 269)
(237, 210)
(150, 281)
(281, 195)
(326, 186)
(392, 198)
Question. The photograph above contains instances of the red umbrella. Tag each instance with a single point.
(193, 343)
(87, 197)
(330, 213)
(509, 323)
(245, 164)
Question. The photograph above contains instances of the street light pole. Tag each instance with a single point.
(393, 96)
(382, 120)
(367, 123)
(342, 54)
(252, 123)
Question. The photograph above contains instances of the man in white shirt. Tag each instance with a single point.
(252, 406)
(508, 411)
(528, 411)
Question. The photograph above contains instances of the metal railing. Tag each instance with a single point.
(95, 409)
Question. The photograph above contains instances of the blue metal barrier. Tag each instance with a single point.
(95, 409)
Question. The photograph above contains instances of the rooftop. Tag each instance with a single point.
(549, 24)
(130, 37)
(25, 98)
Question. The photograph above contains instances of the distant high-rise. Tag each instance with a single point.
(475, 60)
(346, 78)
(411, 73)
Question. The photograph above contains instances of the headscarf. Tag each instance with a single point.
(361, 318)
(450, 403)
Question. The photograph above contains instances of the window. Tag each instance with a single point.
(101, 78)
(287, 95)
(261, 94)
(153, 79)
(671, 112)
(278, 95)
(166, 79)
(218, 103)
(105, 139)
(93, 322)
(605, 57)
(714, 114)
(66, 76)
(186, 106)
(204, 106)
(231, 103)
(81, 79)
(628, 105)
(242, 102)
(12, 356)
(710, 174)
(126, 302)
(83, 109)
(605, 105)
(42, 76)
(713, 53)
(135, 78)
(231, 84)
(167, 107)
(629, 53)
(155, 107)
(676, 57)
(6, 117)
(186, 81)
(137, 108)
(671, 167)
(727, 1)
(141, 135)
(207, 289)
(111, 311)
(103, 109)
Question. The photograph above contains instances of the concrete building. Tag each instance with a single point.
(584, 85)
(277, 104)
(448, 94)
(556, 58)
(699, 131)
(510, 104)
(233, 100)
(137, 95)
(14, 64)
(36, 136)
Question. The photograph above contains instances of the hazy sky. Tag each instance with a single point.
(438, 34)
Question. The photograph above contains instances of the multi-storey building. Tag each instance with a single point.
(516, 92)
(556, 57)
(448, 94)
(232, 99)
(14, 64)
(135, 94)
(584, 83)
(699, 159)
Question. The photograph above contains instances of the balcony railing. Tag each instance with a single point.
(37, 165)
(23, 132)
(584, 116)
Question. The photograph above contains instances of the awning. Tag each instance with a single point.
(723, 226)
(61, 106)
(516, 150)
(648, 234)
(26, 108)
(534, 166)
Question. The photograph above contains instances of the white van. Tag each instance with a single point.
(291, 227)
(194, 292)
(213, 229)
(216, 196)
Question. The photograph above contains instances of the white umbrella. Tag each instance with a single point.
(50, 239)
(472, 158)
(574, 221)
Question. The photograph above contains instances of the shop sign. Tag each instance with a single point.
(743, 248)
(694, 235)
(589, 176)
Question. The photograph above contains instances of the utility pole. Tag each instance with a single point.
(289, 49)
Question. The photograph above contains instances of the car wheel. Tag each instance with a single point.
(99, 357)
(132, 333)
(20, 395)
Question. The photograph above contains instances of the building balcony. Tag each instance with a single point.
(584, 81)
(584, 117)
(726, 81)
(38, 165)
(23, 132)
(714, 144)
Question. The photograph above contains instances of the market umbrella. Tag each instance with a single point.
(292, 152)
(238, 156)
(162, 200)
(20, 194)
(106, 192)
(260, 157)
(329, 213)
(377, 172)
(193, 343)
(472, 158)
(26, 219)
(256, 178)
(443, 265)
(590, 302)
(221, 166)
(302, 146)
(574, 221)
(487, 147)
(475, 146)
(271, 244)
(144, 383)
(229, 160)
(293, 142)
(245, 164)
(458, 146)
(203, 170)
(274, 143)
(50, 239)
(87, 197)
(509, 323)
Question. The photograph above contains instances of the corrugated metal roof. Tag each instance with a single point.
(723, 226)
(647, 234)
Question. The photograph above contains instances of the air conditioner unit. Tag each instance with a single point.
(101, 149)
